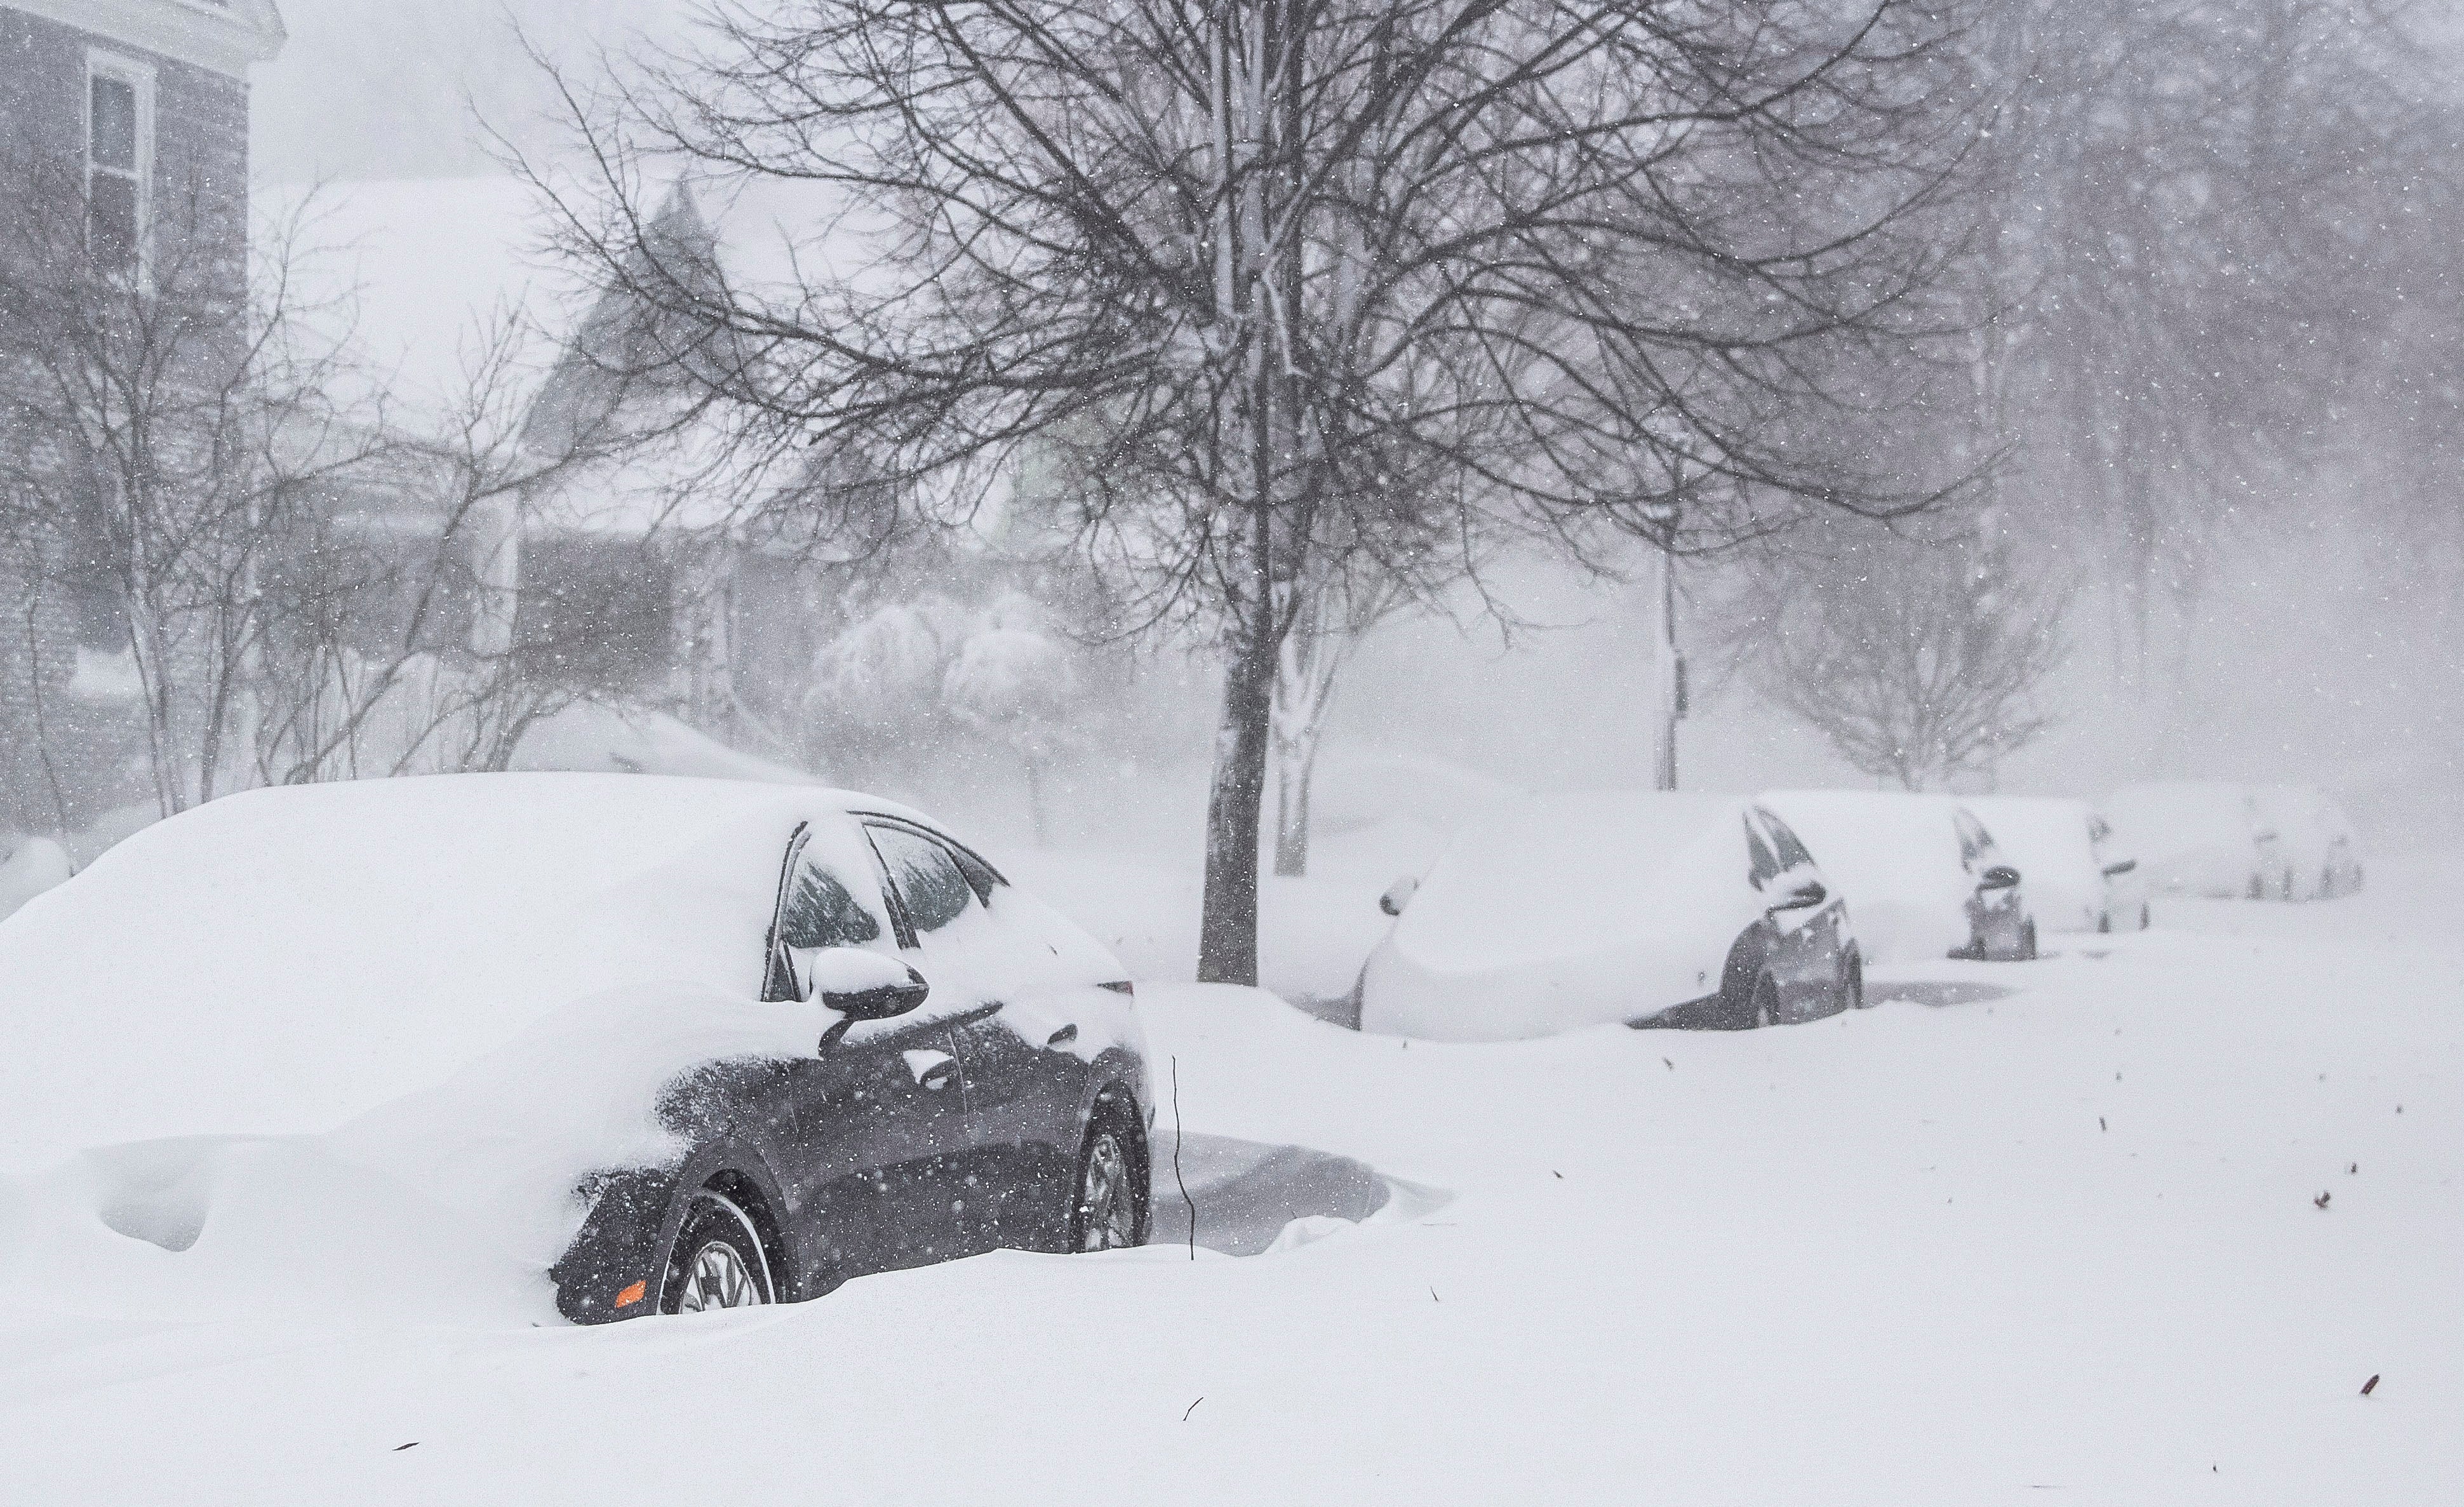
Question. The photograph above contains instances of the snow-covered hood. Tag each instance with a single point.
(1565, 911)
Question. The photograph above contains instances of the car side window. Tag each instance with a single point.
(979, 873)
(928, 879)
(1972, 840)
(1758, 854)
(820, 913)
(816, 909)
(1793, 854)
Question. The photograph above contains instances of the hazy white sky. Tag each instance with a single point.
(369, 90)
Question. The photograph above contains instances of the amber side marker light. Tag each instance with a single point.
(632, 1295)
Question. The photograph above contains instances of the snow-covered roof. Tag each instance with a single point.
(427, 268)
(225, 35)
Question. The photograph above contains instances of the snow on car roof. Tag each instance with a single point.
(278, 960)
(2026, 818)
(1554, 874)
(1895, 857)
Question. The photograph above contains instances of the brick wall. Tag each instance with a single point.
(81, 761)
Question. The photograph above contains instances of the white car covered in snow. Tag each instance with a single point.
(2201, 837)
(2077, 878)
(658, 1045)
(2319, 855)
(1924, 875)
(1567, 911)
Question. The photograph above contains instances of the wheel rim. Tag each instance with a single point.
(1107, 1212)
(719, 1277)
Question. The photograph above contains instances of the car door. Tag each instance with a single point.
(1013, 1034)
(880, 1107)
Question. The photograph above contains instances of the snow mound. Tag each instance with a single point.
(28, 867)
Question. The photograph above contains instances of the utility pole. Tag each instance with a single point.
(1668, 666)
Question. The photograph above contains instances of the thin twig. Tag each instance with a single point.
(1175, 1164)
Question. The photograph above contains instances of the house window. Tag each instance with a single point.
(119, 160)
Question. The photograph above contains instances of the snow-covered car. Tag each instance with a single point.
(2077, 878)
(2321, 855)
(676, 1044)
(2201, 837)
(1921, 872)
(1565, 911)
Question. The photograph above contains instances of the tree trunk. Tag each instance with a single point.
(1295, 759)
(1227, 943)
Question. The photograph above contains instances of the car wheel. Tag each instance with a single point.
(717, 1260)
(1852, 981)
(2257, 888)
(2027, 943)
(1109, 1211)
(2104, 920)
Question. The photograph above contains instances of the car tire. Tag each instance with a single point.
(2145, 916)
(2104, 920)
(1108, 1201)
(2027, 943)
(1852, 981)
(718, 1259)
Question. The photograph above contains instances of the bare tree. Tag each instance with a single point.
(167, 423)
(1333, 612)
(2178, 283)
(1917, 657)
(1221, 262)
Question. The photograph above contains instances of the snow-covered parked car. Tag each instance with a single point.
(1921, 873)
(2201, 837)
(2321, 857)
(2078, 878)
(1566, 910)
(669, 1044)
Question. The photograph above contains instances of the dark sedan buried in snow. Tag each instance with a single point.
(679, 1044)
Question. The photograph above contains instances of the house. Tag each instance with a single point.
(623, 564)
(123, 163)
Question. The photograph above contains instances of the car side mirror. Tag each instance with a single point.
(2000, 877)
(2115, 870)
(864, 985)
(1803, 898)
(1399, 895)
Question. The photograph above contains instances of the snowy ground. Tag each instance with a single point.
(1968, 1247)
